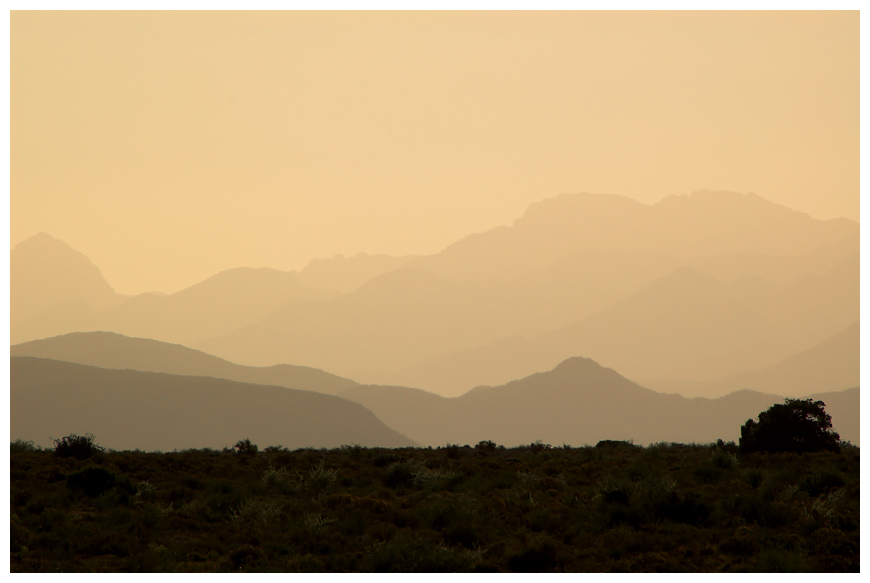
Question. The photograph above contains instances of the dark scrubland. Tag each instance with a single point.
(612, 507)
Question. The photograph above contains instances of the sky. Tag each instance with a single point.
(169, 146)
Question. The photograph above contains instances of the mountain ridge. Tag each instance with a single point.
(434, 321)
(129, 409)
(45, 272)
(579, 402)
(116, 351)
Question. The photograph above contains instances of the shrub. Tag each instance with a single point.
(486, 445)
(824, 482)
(426, 478)
(245, 447)
(77, 446)
(282, 480)
(616, 444)
(798, 425)
(399, 475)
(722, 459)
(21, 446)
(539, 446)
(453, 451)
(320, 478)
(92, 480)
(255, 511)
(385, 459)
(683, 508)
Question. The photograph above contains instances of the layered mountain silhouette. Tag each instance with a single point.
(703, 223)
(110, 350)
(692, 289)
(832, 365)
(393, 319)
(686, 325)
(128, 409)
(418, 316)
(576, 403)
(221, 303)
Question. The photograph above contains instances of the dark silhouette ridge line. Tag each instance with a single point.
(579, 402)
(116, 351)
(539, 409)
(111, 350)
(156, 411)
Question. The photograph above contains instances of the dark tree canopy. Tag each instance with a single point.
(798, 425)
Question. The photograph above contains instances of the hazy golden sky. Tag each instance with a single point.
(170, 146)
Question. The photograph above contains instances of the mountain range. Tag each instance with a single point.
(111, 350)
(682, 293)
(215, 306)
(684, 326)
(426, 315)
(705, 223)
(578, 402)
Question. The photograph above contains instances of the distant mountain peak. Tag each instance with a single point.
(45, 272)
(42, 240)
(580, 367)
(575, 202)
(578, 363)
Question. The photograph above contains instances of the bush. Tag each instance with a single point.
(255, 511)
(245, 447)
(539, 446)
(92, 480)
(21, 446)
(486, 445)
(77, 446)
(399, 475)
(798, 425)
(320, 478)
(615, 444)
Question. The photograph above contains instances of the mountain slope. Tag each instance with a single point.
(110, 350)
(576, 274)
(417, 315)
(578, 402)
(221, 303)
(151, 411)
(46, 272)
(566, 260)
(346, 274)
(392, 319)
(686, 325)
(832, 365)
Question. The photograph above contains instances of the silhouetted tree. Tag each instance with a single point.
(77, 446)
(798, 425)
(245, 447)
